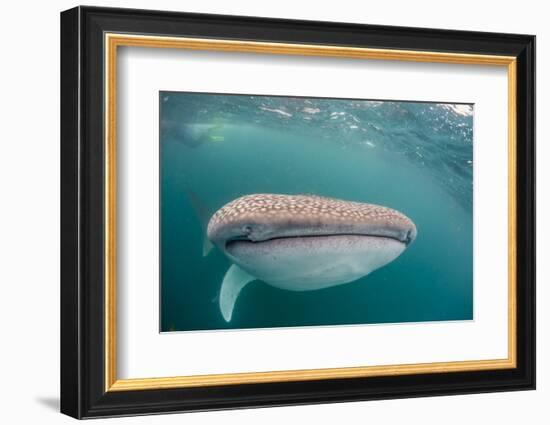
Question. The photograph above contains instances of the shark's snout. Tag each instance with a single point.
(262, 217)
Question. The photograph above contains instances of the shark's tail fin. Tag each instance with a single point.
(206, 246)
(203, 215)
(233, 282)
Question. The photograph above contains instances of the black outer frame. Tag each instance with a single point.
(82, 218)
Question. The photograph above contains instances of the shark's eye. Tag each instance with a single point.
(247, 229)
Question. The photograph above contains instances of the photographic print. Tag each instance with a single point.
(349, 212)
(284, 211)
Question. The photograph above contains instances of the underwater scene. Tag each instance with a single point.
(298, 211)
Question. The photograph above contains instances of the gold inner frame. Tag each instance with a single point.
(113, 41)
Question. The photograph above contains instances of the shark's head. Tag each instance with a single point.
(303, 242)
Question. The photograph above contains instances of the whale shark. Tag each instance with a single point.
(303, 242)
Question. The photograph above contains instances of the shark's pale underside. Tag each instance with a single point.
(303, 242)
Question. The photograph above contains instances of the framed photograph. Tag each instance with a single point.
(261, 212)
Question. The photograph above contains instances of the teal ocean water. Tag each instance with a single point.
(411, 156)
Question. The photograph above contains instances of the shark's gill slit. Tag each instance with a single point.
(304, 243)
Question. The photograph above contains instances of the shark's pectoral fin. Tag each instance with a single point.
(233, 282)
(206, 246)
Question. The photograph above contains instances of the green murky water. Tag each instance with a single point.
(413, 157)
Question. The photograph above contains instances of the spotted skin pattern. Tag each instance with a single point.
(312, 211)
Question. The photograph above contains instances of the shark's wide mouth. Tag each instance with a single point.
(243, 239)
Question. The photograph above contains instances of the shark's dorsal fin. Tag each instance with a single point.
(233, 282)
